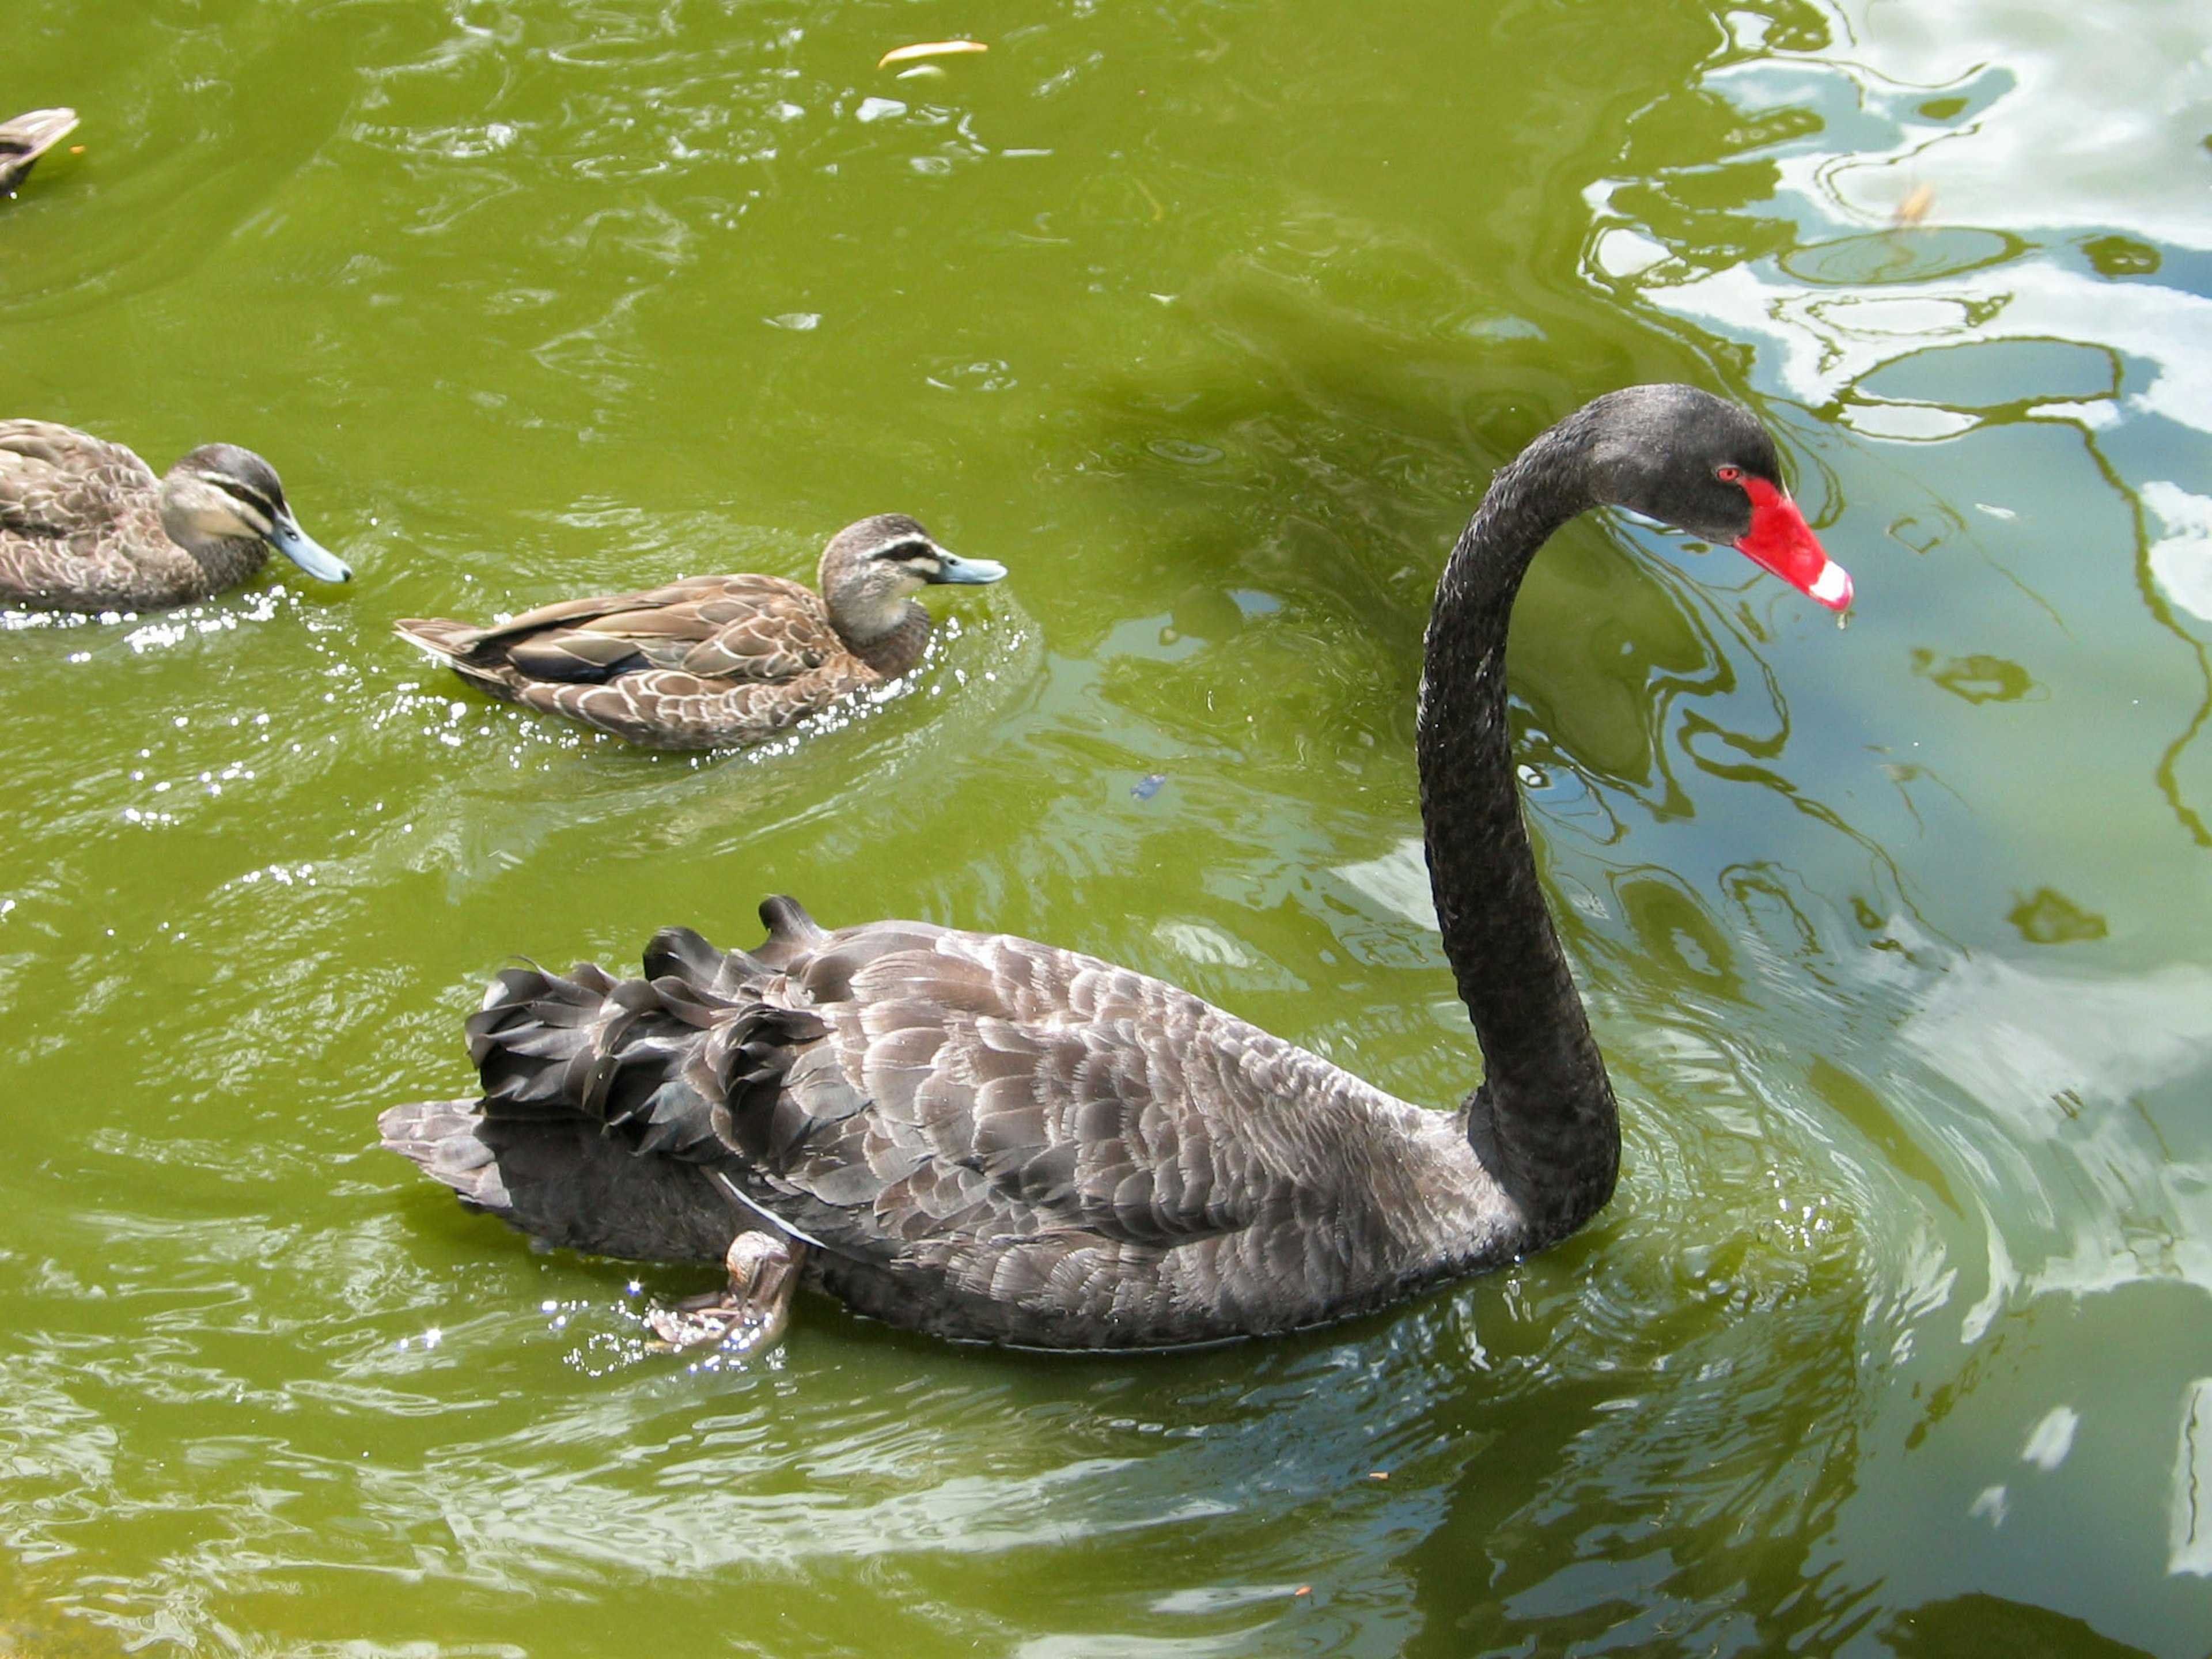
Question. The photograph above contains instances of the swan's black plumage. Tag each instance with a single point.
(992, 1139)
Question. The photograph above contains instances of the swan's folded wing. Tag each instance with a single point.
(974, 1092)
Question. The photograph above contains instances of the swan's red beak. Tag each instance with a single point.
(1781, 540)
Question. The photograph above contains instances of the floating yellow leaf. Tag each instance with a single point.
(1916, 206)
(928, 49)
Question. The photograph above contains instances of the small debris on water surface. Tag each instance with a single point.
(929, 49)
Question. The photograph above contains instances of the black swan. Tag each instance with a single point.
(713, 662)
(987, 1139)
(85, 525)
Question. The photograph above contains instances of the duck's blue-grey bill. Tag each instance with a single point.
(295, 545)
(951, 568)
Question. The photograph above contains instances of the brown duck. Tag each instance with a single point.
(989, 1139)
(714, 662)
(85, 525)
(28, 138)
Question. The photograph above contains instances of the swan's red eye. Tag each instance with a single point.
(1728, 474)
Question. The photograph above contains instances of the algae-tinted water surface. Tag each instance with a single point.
(1211, 321)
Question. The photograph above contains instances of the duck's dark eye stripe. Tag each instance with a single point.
(239, 490)
(909, 549)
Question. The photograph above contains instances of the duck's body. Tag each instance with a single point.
(25, 138)
(715, 662)
(995, 1139)
(85, 526)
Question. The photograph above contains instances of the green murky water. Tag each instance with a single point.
(1209, 320)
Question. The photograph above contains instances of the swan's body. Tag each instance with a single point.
(25, 138)
(715, 662)
(990, 1139)
(85, 526)
(987, 1138)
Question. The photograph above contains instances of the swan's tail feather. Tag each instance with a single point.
(440, 1136)
(563, 1182)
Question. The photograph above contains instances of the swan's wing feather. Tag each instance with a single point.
(980, 1087)
(901, 1083)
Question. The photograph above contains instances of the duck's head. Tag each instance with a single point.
(870, 570)
(222, 493)
(1706, 465)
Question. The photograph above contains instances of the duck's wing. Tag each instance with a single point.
(66, 499)
(700, 663)
(745, 626)
(989, 1137)
(25, 138)
(57, 481)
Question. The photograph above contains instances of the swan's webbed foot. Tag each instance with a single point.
(752, 1313)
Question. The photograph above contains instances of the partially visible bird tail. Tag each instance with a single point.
(440, 1136)
(448, 641)
(28, 138)
(453, 644)
(563, 1181)
(606, 1102)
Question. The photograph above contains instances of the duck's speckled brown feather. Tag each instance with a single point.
(717, 661)
(705, 663)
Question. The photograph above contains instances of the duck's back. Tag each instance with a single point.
(81, 524)
(705, 663)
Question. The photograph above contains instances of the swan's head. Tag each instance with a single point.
(1706, 465)
(222, 493)
(870, 570)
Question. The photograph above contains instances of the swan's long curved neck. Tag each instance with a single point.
(1544, 1121)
